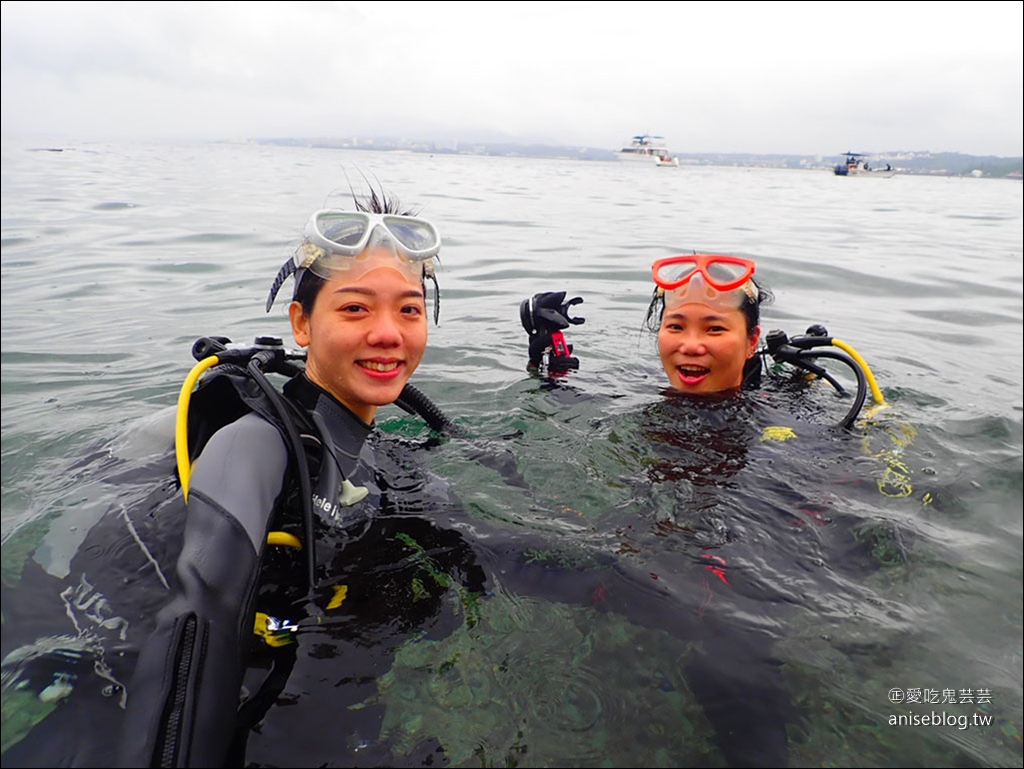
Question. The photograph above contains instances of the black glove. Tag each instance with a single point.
(542, 316)
(548, 312)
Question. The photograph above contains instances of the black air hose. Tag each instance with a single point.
(414, 401)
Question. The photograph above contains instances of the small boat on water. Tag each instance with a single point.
(857, 164)
(649, 148)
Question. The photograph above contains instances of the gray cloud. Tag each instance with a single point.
(710, 77)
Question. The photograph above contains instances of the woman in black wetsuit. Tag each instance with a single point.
(360, 311)
(382, 570)
(705, 311)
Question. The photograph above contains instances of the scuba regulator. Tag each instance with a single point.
(805, 352)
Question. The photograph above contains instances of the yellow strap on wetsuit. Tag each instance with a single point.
(283, 538)
(273, 631)
(777, 433)
(895, 480)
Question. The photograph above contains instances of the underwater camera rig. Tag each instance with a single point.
(805, 352)
(544, 316)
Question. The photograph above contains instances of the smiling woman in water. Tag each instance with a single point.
(706, 311)
(267, 471)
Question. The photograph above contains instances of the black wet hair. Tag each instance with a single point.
(308, 283)
(751, 308)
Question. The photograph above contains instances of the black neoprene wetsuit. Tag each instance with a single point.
(185, 695)
(193, 698)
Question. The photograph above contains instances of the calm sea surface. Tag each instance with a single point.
(884, 558)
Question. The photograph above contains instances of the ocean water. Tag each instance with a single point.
(878, 568)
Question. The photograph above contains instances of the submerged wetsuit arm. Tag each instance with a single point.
(184, 698)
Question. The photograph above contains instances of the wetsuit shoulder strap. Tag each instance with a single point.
(226, 394)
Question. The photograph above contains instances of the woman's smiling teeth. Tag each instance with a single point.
(377, 366)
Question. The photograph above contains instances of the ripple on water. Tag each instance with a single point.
(113, 206)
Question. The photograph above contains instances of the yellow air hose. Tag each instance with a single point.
(181, 421)
(876, 391)
(181, 444)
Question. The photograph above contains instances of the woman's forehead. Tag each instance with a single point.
(700, 311)
(383, 283)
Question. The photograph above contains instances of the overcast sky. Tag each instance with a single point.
(759, 77)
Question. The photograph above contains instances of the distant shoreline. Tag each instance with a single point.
(902, 162)
(916, 163)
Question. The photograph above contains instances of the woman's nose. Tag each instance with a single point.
(692, 343)
(385, 332)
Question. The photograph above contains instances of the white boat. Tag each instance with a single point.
(648, 148)
(857, 164)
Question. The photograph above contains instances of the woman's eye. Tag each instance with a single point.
(412, 309)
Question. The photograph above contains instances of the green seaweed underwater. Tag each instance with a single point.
(535, 683)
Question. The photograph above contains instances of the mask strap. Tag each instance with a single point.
(282, 275)
(437, 296)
